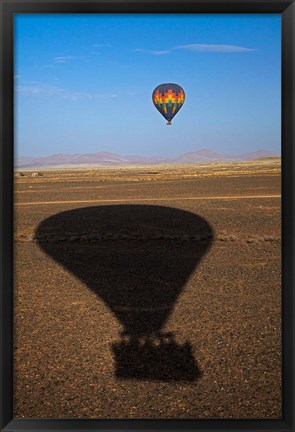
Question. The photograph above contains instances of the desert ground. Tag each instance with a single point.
(149, 292)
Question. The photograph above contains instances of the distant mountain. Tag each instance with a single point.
(207, 156)
(259, 154)
(111, 159)
(100, 158)
(203, 156)
(23, 160)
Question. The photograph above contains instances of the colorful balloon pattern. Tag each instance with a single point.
(168, 99)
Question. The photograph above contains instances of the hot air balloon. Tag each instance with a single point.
(168, 99)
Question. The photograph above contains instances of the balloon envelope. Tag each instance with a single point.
(168, 99)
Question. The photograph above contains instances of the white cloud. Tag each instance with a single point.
(152, 52)
(39, 89)
(215, 48)
(199, 48)
(159, 52)
(70, 58)
(65, 59)
(35, 89)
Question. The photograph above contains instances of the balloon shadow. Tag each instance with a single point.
(137, 259)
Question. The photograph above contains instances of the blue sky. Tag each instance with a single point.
(83, 83)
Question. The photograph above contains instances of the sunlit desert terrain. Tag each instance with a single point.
(149, 291)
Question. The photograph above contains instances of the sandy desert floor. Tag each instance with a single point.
(149, 292)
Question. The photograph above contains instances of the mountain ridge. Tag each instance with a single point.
(104, 158)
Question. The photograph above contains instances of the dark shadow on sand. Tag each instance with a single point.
(137, 259)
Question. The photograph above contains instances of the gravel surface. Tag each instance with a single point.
(160, 307)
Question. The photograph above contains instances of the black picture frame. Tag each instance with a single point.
(10, 7)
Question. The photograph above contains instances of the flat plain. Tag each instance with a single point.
(149, 292)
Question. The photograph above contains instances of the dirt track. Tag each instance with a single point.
(224, 309)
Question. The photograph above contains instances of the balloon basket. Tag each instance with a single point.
(156, 358)
(168, 123)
